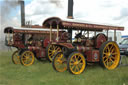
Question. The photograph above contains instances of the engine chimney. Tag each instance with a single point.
(70, 9)
(22, 13)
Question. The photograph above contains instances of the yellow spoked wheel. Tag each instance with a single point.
(109, 55)
(27, 58)
(16, 57)
(59, 62)
(52, 50)
(76, 63)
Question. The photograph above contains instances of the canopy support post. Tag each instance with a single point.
(57, 32)
(115, 35)
(50, 33)
(88, 34)
(95, 33)
(70, 32)
(107, 33)
(8, 34)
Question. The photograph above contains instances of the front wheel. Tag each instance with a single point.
(51, 50)
(109, 55)
(76, 63)
(59, 62)
(27, 58)
(16, 57)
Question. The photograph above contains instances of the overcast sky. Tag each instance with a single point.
(101, 11)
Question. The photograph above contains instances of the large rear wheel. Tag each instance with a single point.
(59, 62)
(109, 55)
(27, 58)
(51, 51)
(76, 63)
(16, 57)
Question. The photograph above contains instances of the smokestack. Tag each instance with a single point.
(70, 9)
(22, 13)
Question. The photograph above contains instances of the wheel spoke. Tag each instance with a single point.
(72, 67)
(72, 60)
(106, 63)
(75, 57)
(113, 57)
(111, 60)
(111, 47)
(80, 64)
(77, 68)
(105, 57)
(114, 53)
(79, 60)
(106, 60)
(108, 48)
(112, 50)
(104, 53)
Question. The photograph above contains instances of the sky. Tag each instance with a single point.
(100, 11)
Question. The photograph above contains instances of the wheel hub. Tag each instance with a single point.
(59, 61)
(109, 55)
(76, 63)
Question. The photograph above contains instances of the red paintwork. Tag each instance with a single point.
(83, 48)
(40, 53)
(46, 42)
(69, 24)
(68, 45)
(100, 39)
(18, 43)
(92, 55)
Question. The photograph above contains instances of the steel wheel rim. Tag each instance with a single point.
(27, 58)
(16, 57)
(77, 63)
(60, 62)
(111, 55)
(52, 50)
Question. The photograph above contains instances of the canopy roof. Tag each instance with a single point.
(27, 30)
(78, 25)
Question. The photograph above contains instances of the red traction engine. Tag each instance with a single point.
(31, 43)
(74, 55)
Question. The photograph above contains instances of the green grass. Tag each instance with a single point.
(42, 73)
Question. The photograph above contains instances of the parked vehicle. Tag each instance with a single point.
(75, 55)
(124, 47)
(30, 43)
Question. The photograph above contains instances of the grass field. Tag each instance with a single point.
(42, 73)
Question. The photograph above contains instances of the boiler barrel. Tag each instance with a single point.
(83, 48)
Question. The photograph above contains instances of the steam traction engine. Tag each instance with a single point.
(30, 43)
(74, 55)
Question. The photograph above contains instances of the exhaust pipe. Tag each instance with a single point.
(70, 15)
(22, 13)
(70, 9)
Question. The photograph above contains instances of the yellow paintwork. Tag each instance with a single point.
(52, 50)
(60, 63)
(111, 55)
(16, 57)
(27, 58)
(77, 63)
